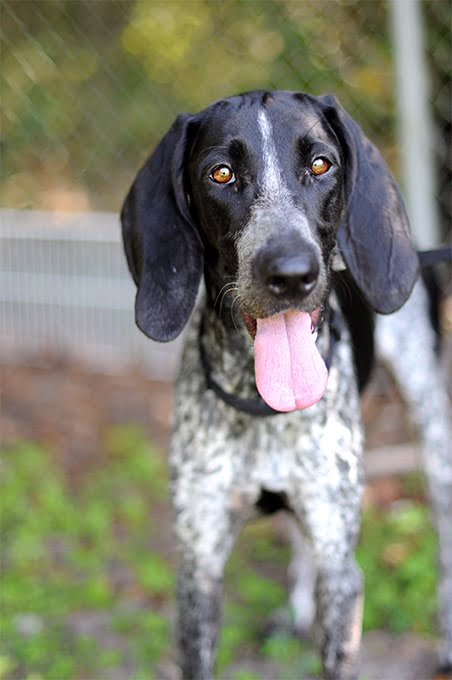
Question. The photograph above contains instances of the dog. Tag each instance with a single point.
(289, 212)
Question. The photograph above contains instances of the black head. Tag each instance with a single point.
(254, 191)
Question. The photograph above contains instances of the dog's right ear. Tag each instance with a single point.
(163, 248)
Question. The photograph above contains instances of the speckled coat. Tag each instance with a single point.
(222, 459)
(254, 193)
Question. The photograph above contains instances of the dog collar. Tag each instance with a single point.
(257, 406)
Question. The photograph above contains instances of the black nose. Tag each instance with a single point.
(290, 276)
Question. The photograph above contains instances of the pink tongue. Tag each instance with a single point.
(290, 373)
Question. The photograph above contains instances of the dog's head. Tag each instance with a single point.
(255, 190)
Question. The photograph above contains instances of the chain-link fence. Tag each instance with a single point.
(89, 86)
(439, 56)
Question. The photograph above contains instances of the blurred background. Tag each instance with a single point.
(87, 89)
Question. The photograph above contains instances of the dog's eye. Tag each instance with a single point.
(222, 174)
(319, 166)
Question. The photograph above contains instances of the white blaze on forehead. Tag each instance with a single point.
(272, 179)
(275, 199)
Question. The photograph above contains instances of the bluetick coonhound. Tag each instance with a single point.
(267, 194)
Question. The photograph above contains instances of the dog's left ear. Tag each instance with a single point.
(374, 235)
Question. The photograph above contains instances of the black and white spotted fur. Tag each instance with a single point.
(265, 243)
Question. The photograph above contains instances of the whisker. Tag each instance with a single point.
(233, 287)
(237, 297)
(230, 283)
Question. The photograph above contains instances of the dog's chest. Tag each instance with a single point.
(279, 453)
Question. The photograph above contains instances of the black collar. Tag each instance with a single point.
(258, 407)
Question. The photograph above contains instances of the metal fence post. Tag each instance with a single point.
(415, 126)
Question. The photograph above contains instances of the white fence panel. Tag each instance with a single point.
(65, 290)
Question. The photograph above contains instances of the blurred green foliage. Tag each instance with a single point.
(89, 87)
(397, 554)
(87, 573)
(69, 557)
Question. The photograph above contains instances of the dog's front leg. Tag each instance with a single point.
(199, 595)
(333, 597)
(206, 523)
(339, 614)
(205, 537)
(326, 503)
(338, 585)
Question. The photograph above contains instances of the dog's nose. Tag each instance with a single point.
(290, 276)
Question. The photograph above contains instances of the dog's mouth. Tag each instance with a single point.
(290, 372)
(251, 321)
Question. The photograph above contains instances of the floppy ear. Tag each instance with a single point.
(374, 235)
(163, 249)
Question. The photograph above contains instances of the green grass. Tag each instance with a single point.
(397, 554)
(61, 551)
(85, 586)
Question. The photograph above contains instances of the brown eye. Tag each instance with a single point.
(319, 166)
(222, 174)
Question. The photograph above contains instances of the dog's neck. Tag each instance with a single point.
(228, 349)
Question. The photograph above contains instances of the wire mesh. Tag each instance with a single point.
(89, 86)
(439, 54)
(66, 292)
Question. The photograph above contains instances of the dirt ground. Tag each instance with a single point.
(68, 409)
